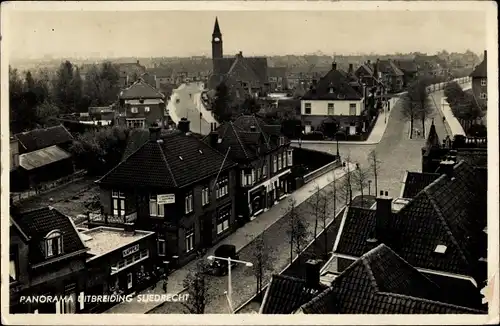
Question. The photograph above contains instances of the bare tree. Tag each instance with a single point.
(360, 181)
(417, 104)
(196, 284)
(345, 187)
(297, 229)
(375, 167)
(263, 261)
(316, 204)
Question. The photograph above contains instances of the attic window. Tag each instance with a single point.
(440, 249)
(180, 158)
(53, 244)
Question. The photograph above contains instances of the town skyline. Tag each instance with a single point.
(109, 34)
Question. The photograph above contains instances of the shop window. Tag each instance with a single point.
(118, 199)
(188, 203)
(155, 209)
(67, 305)
(189, 239)
(222, 187)
(223, 219)
(53, 244)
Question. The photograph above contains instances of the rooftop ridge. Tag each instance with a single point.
(166, 163)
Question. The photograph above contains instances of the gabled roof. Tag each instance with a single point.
(177, 160)
(41, 138)
(481, 71)
(140, 89)
(286, 294)
(42, 157)
(335, 85)
(449, 212)
(407, 65)
(388, 67)
(38, 223)
(241, 70)
(381, 282)
(367, 69)
(416, 182)
(247, 69)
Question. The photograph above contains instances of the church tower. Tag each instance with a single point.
(216, 41)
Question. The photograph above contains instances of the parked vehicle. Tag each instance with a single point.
(219, 267)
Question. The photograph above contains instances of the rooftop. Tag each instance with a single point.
(102, 240)
(41, 138)
(35, 159)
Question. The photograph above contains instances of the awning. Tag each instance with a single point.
(33, 160)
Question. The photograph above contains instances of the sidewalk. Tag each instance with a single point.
(240, 238)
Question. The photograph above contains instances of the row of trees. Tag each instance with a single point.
(38, 97)
(417, 105)
(463, 104)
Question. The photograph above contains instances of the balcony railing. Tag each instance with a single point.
(98, 218)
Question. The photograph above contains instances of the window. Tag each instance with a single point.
(189, 239)
(290, 157)
(68, 304)
(53, 244)
(134, 109)
(331, 109)
(482, 96)
(281, 141)
(135, 123)
(307, 108)
(155, 209)
(118, 203)
(330, 90)
(13, 266)
(483, 82)
(146, 109)
(223, 220)
(134, 259)
(222, 187)
(247, 177)
(177, 100)
(161, 246)
(284, 159)
(280, 162)
(15, 159)
(264, 170)
(352, 109)
(205, 196)
(188, 203)
(275, 164)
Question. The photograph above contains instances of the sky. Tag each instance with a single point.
(83, 34)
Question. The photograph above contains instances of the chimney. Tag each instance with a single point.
(351, 69)
(214, 137)
(154, 132)
(183, 125)
(447, 167)
(313, 268)
(334, 65)
(383, 215)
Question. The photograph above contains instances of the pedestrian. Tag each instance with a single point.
(165, 283)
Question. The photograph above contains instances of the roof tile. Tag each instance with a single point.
(40, 138)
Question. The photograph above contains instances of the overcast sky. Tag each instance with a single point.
(183, 33)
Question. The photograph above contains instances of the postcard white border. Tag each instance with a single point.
(490, 10)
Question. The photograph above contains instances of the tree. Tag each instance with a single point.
(375, 167)
(76, 90)
(64, 96)
(263, 261)
(222, 103)
(417, 103)
(101, 85)
(297, 230)
(22, 104)
(345, 187)
(196, 284)
(360, 181)
(29, 82)
(45, 112)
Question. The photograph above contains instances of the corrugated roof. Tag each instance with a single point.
(33, 160)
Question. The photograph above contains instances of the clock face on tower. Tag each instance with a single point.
(216, 39)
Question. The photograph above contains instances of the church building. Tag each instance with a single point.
(238, 72)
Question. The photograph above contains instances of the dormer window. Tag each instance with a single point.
(53, 244)
(440, 249)
(340, 96)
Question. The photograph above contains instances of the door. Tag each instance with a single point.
(130, 281)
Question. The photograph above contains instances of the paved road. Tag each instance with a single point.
(397, 152)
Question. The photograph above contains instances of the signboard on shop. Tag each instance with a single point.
(130, 250)
(165, 199)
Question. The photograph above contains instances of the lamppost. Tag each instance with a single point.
(337, 134)
(229, 280)
(369, 187)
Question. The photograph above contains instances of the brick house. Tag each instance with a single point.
(129, 72)
(177, 186)
(480, 82)
(389, 74)
(339, 96)
(264, 159)
(47, 257)
(141, 105)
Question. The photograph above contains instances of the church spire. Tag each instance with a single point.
(216, 27)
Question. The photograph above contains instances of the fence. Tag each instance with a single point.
(322, 170)
(47, 186)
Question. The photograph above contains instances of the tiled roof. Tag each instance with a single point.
(366, 68)
(41, 138)
(481, 71)
(247, 69)
(388, 67)
(176, 161)
(416, 182)
(286, 294)
(277, 71)
(244, 142)
(476, 157)
(36, 224)
(449, 211)
(223, 65)
(381, 282)
(140, 89)
(407, 65)
(242, 70)
(42, 157)
(336, 81)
